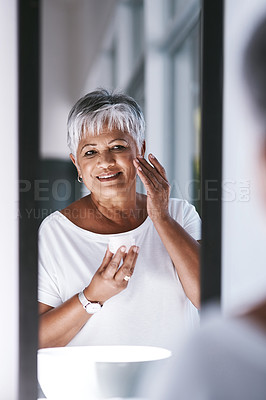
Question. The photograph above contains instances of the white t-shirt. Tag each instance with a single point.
(149, 310)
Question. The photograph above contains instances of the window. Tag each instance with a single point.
(186, 118)
(174, 7)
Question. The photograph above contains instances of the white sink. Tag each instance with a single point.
(95, 372)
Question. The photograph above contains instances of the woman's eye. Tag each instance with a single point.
(90, 153)
(118, 147)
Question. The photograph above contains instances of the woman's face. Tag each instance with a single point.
(105, 163)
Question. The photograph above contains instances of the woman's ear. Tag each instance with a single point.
(72, 158)
(143, 149)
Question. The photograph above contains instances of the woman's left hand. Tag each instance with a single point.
(157, 186)
(181, 247)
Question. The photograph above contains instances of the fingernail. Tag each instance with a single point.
(136, 160)
(123, 249)
(136, 249)
(151, 155)
(139, 168)
(108, 248)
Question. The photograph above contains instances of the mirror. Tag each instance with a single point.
(29, 45)
(150, 50)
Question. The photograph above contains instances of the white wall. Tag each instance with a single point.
(244, 220)
(9, 202)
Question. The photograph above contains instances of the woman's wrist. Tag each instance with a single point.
(159, 217)
(90, 295)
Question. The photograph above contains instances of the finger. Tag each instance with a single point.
(149, 186)
(107, 258)
(156, 168)
(127, 268)
(144, 163)
(153, 160)
(145, 175)
(151, 182)
(150, 171)
(159, 179)
(114, 263)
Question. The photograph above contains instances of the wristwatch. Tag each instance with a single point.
(89, 306)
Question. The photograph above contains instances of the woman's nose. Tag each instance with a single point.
(106, 159)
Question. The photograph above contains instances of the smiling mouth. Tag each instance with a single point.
(108, 177)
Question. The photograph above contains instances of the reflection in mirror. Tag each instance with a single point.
(148, 293)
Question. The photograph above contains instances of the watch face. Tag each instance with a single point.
(92, 308)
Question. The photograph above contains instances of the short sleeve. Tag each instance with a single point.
(191, 220)
(48, 289)
(186, 215)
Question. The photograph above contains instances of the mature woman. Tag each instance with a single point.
(117, 266)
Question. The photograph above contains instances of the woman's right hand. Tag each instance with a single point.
(109, 280)
(60, 324)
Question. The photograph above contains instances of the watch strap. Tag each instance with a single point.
(89, 306)
(82, 298)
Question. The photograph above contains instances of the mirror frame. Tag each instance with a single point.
(29, 122)
(211, 149)
(29, 165)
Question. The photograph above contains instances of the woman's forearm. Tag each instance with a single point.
(185, 253)
(182, 248)
(57, 327)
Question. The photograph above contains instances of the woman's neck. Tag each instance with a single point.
(107, 216)
(120, 211)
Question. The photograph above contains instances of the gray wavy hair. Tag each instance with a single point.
(100, 108)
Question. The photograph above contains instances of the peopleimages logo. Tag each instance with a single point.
(35, 213)
(45, 190)
(63, 190)
(212, 190)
